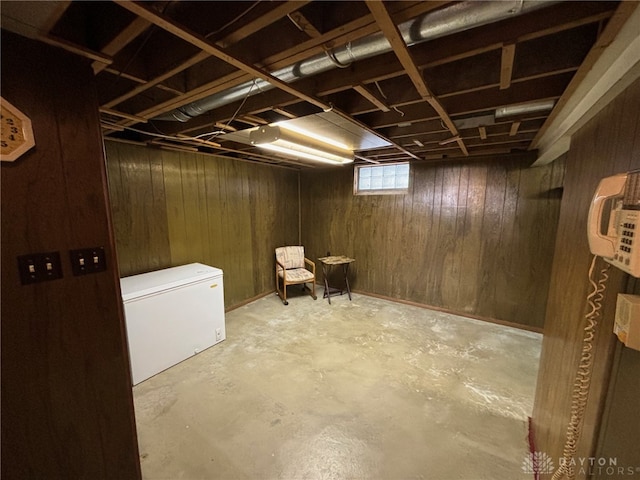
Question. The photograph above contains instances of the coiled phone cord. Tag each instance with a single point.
(583, 374)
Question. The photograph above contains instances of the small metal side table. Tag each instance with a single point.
(327, 264)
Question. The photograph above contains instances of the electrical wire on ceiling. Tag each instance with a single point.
(152, 29)
(398, 111)
(334, 59)
(213, 134)
(234, 20)
(385, 97)
(298, 26)
(235, 114)
(151, 134)
(377, 84)
(457, 17)
(135, 54)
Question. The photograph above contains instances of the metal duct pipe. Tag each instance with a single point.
(522, 108)
(431, 25)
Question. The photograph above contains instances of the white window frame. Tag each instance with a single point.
(403, 189)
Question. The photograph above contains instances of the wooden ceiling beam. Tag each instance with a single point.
(343, 34)
(201, 42)
(310, 87)
(284, 113)
(548, 88)
(253, 104)
(141, 81)
(157, 80)
(506, 67)
(367, 128)
(372, 97)
(274, 62)
(394, 37)
(253, 120)
(622, 13)
(391, 32)
(228, 40)
(116, 113)
(74, 48)
(414, 128)
(503, 127)
(458, 47)
(304, 25)
(359, 106)
(121, 40)
(261, 22)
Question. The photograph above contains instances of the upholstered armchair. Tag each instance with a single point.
(293, 268)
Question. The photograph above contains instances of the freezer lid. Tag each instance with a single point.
(149, 283)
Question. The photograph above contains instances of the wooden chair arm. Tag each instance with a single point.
(284, 271)
(311, 264)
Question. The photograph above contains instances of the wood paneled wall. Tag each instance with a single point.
(67, 406)
(172, 208)
(475, 238)
(608, 144)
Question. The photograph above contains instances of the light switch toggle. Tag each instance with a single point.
(39, 267)
(88, 260)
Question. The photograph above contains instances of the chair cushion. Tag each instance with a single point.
(290, 257)
(297, 275)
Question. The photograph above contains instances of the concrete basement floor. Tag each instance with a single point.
(367, 389)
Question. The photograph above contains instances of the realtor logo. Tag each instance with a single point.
(537, 463)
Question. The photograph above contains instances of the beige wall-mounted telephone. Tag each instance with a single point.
(613, 230)
(613, 227)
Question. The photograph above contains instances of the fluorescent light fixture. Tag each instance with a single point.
(307, 133)
(272, 138)
(309, 154)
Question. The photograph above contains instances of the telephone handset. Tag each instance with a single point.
(613, 226)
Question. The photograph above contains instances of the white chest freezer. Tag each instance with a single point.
(172, 314)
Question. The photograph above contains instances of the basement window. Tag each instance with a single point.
(387, 179)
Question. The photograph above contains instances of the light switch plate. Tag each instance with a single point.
(39, 267)
(88, 260)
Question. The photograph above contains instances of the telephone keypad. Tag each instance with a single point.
(626, 241)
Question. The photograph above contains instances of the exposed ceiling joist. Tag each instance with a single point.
(166, 64)
(506, 69)
(259, 23)
(201, 42)
(124, 37)
(612, 64)
(304, 25)
(75, 49)
(390, 30)
(372, 97)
